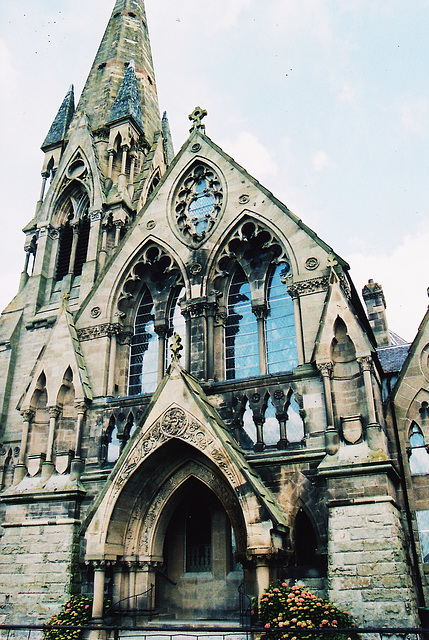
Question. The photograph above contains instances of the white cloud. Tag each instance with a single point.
(415, 117)
(321, 161)
(347, 93)
(404, 276)
(248, 151)
(310, 18)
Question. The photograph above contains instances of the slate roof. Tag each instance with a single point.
(60, 125)
(392, 358)
(128, 103)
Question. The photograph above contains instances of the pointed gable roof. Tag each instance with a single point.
(125, 38)
(128, 102)
(179, 409)
(60, 125)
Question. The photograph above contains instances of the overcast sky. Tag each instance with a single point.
(325, 102)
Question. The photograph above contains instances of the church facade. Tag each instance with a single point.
(194, 401)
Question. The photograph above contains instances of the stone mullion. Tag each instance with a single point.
(260, 312)
(331, 436)
(293, 292)
(73, 249)
(20, 469)
(81, 412)
(259, 423)
(113, 331)
(161, 331)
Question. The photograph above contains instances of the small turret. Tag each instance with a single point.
(376, 306)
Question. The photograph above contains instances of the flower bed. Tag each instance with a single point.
(284, 609)
(77, 611)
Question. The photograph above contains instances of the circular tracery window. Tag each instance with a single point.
(198, 204)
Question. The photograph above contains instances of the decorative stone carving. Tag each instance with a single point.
(196, 147)
(95, 312)
(195, 269)
(196, 118)
(150, 224)
(366, 363)
(311, 263)
(99, 331)
(244, 199)
(306, 287)
(352, 429)
(197, 204)
(174, 422)
(326, 369)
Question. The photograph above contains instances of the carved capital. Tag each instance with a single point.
(325, 369)
(366, 363)
(81, 407)
(54, 412)
(28, 415)
(260, 311)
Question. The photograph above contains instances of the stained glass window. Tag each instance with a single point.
(241, 339)
(143, 376)
(201, 208)
(280, 325)
(419, 458)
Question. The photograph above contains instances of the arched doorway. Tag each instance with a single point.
(200, 576)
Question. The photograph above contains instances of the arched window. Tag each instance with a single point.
(419, 457)
(305, 541)
(113, 446)
(280, 325)
(82, 246)
(143, 376)
(241, 337)
(64, 251)
(271, 425)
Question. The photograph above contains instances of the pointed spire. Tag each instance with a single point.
(167, 140)
(60, 125)
(128, 102)
(126, 37)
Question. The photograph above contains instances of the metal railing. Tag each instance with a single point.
(134, 607)
(197, 631)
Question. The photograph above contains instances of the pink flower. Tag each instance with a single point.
(267, 626)
(87, 607)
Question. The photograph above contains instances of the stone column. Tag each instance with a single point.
(111, 153)
(112, 332)
(118, 226)
(54, 412)
(262, 575)
(24, 275)
(374, 433)
(97, 604)
(211, 309)
(259, 423)
(20, 469)
(293, 292)
(283, 442)
(161, 331)
(73, 249)
(260, 311)
(331, 436)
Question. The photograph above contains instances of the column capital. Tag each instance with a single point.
(325, 368)
(54, 411)
(81, 407)
(28, 415)
(260, 311)
(366, 363)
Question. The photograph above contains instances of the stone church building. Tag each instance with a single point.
(194, 400)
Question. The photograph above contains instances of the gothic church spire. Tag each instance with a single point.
(126, 38)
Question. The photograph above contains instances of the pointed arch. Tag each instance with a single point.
(143, 372)
(282, 352)
(418, 453)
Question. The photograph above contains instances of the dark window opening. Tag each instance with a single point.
(64, 253)
(305, 541)
(82, 246)
(198, 540)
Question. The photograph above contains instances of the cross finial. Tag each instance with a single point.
(196, 117)
(176, 347)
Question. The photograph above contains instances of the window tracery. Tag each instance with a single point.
(72, 222)
(241, 331)
(198, 203)
(143, 376)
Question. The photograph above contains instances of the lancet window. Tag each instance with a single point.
(280, 325)
(241, 339)
(143, 375)
(419, 456)
(73, 226)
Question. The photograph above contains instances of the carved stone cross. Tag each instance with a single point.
(196, 117)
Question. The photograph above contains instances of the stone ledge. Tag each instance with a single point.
(42, 523)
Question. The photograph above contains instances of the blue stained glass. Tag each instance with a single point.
(280, 326)
(143, 377)
(241, 339)
(201, 208)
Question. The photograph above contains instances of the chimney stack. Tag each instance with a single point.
(376, 308)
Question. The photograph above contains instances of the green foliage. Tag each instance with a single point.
(77, 611)
(284, 608)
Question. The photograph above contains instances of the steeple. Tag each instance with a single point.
(58, 130)
(128, 102)
(126, 38)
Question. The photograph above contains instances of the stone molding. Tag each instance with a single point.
(99, 331)
(305, 287)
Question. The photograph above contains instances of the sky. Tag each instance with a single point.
(325, 102)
